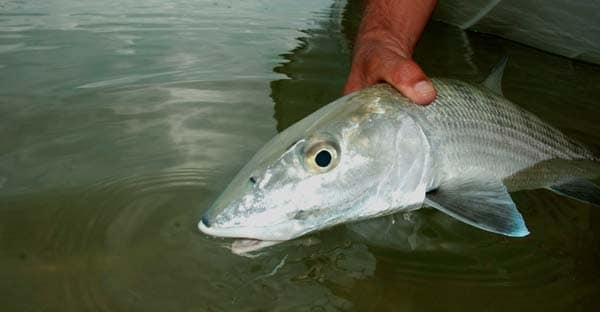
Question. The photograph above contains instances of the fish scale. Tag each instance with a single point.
(505, 117)
(465, 119)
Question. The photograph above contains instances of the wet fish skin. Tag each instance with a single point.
(469, 126)
(457, 154)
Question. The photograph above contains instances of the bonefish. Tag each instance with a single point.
(373, 153)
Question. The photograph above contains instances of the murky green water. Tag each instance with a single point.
(121, 121)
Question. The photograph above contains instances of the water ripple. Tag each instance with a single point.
(449, 256)
(121, 241)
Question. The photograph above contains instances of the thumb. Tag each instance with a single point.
(408, 77)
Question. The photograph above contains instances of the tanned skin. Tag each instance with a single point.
(386, 38)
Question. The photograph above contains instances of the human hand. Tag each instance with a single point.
(383, 48)
(379, 60)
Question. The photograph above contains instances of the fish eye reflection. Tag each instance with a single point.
(323, 158)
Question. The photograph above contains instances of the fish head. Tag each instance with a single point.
(353, 159)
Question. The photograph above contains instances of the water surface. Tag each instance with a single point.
(121, 121)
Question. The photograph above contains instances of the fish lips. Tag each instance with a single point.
(277, 232)
(245, 242)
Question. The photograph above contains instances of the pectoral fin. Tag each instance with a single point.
(579, 189)
(482, 203)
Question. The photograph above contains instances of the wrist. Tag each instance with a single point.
(397, 23)
(377, 37)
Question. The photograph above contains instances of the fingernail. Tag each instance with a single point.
(424, 87)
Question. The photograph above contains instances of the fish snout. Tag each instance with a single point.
(205, 221)
(205, 225)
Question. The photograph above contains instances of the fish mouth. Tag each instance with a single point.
(246, 246)
(242, 246)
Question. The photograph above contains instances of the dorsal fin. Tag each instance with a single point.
(494, 80)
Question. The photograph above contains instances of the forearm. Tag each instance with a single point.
(386, 38)
(399, 21)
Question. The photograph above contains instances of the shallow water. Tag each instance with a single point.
(121, 122)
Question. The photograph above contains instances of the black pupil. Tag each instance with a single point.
(323, 159)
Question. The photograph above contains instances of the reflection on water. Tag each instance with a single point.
(129, 244)
(122, 121)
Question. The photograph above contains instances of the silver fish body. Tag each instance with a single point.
(373, 153)
(469, 127)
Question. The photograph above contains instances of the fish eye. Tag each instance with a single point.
(321, 156)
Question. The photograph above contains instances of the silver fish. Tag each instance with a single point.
(374, 153)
